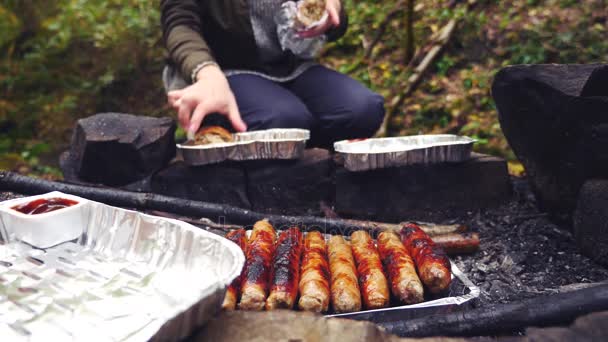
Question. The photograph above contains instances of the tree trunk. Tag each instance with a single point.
(223, 214)
(409, 28)
(499, 319)
(29, 17)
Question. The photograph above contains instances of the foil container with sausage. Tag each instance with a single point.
(379, 153)
(345, 277)
(124, 276)
(254, 145)
(460, 297)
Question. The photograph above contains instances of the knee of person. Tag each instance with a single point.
(289, 115)
(367, 113)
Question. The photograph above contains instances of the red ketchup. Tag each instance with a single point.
(43, 205)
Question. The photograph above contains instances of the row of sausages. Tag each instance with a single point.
(349, 275)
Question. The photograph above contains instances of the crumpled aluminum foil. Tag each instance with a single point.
(128, 277)
(462, 293)
(369, 154)
(287, 31)
(265, 144)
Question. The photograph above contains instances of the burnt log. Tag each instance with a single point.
(10, 181)
(591, 221)
(223, 183)
(222, 217)
(293, 187)
(555, 117)
(67, 165)
(118, 149)
(491, 320)
(423, 192)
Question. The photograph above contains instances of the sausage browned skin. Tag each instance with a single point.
(285, 270)
(239, 237)
(433, 229)
(400, 268)
(431, 261)
(256, 273)
(345, 295)
(372, 281)
(454, 244)
(314, 275)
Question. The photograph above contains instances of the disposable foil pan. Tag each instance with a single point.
(128, 277)
(266, 144)
(461, 294)
(369, 154)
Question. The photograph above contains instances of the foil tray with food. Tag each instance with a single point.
(73, 269)
(399, 275)
(296, 17)
(214, 144)
(378, 153)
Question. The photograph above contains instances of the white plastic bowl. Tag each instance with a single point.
(47, 229)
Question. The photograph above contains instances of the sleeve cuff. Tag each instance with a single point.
(199, 67)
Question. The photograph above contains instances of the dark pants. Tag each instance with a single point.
(331, 105)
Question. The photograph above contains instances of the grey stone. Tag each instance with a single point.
(291, 187)
(423, 192)
(290, 325)
(555, 118)
(591, 220)
(67, 164)
(118, 149)
(223, 183)
(591, 328)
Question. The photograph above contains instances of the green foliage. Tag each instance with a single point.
(455, 96)
(64, 60)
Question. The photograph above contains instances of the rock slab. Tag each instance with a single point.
(223, 183)
(118, 149)
(555, 118)
(289, 325)
(294, 187)
(285, 325)
(288, 187)
(422, 192)
(591, 220)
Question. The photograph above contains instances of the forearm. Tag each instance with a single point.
(181, 24)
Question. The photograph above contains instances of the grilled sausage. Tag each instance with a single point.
(400, 268)
(372, 281)
(285, 270)
(458, 243)
(431, 261)
(432, 229)
(239, 237)
(256, 273)
(345, 295)
(314, 275)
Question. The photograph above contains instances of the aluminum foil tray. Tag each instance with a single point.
(369, 154)
(266, 144)
(462, 293)
(128, 277)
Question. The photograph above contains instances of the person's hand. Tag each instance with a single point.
(210, 94)
(333, 8)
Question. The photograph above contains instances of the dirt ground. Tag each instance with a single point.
(523, 254)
